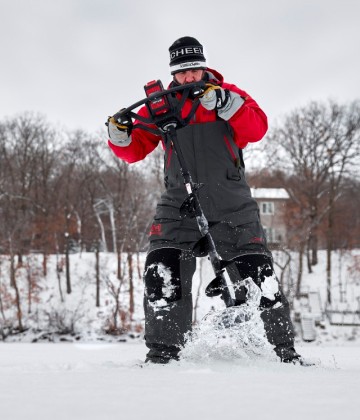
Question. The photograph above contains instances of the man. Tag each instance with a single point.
(226, 120)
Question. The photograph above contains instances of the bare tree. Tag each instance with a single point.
(316, 146)
(97, 275)
(51, 184)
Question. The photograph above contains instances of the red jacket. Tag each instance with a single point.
(249, 124)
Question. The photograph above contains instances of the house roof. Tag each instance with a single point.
(270, 193)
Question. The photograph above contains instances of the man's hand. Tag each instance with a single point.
(214, 97)
(119, 131)
(225, 102)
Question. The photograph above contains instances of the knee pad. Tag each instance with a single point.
(260, 268)
(162, 276)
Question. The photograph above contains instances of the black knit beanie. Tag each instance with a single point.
(186, 53)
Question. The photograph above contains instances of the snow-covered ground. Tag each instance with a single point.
(92, 379)
(105, 381)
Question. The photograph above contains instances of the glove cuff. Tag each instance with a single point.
(120, 143)
(222, 98)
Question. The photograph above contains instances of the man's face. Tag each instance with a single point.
(189, 76)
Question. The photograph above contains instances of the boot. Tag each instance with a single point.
(288, 354)
(161, 360)
(162, 354)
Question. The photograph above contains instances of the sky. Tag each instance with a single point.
(78, 61)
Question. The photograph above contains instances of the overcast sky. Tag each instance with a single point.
(78, 61)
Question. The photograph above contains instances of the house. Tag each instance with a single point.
(272, 204)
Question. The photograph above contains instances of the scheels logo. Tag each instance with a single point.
(191, 64)
(186, 51)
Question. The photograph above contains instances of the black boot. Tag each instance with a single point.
(287, 354)
(162, 355)
(160, 360)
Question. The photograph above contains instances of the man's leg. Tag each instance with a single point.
(167, 302)
(275, 307)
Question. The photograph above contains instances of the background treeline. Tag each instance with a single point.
(63, 190)
(314, 154)
(66, 191)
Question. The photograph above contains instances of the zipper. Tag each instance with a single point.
(235, 158)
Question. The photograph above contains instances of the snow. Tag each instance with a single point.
(168, 289)
(96, 376)
(78, 313)
(270, 193)
(104, 381)
(270, 287)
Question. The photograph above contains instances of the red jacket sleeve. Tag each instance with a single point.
(142, 143)
(249, 122)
